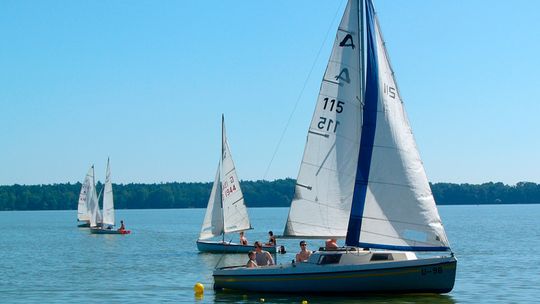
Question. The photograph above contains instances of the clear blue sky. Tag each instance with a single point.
(145, 82)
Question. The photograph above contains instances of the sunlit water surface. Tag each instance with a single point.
(45, 258)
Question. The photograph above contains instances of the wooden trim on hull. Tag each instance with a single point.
(424, 278)
(219, 247)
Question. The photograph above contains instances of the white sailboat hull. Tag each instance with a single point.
(430, 275)
(228, 247)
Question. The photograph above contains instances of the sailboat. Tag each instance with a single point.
(92, 203)
(361, 179)
(82, 208)
(107, 221)
(226, 211)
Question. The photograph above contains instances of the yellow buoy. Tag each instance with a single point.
(305, 302)
(198, 288)
(261, 299)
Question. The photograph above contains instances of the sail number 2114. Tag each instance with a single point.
(329, 124)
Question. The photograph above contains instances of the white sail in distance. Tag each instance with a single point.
(213, 219)
(108, 200)
(82, 207)
(226, 211)
(324, 187)
(235, 215)
(93, 205)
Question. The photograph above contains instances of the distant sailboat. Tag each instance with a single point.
(92, 202)
(226, 211)
(108, 221)
(82, 208)
(361, 179)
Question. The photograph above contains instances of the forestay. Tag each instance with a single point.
(82, 208)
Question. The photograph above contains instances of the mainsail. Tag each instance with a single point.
(82, 208)
(226, 211)
(361, 176)
(108, 201)
(93, 205)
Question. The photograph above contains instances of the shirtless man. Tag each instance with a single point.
(263, 257)
(304, 254)
(243, 240)
(271, 239)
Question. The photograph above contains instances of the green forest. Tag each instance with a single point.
(277, 193)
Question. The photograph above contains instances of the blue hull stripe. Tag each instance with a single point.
(368, 131)
(403, 248)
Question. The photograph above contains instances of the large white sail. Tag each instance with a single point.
(399, 209)
(235, 214)
(213, 219)
(93, 205)
(361, 175)
(82, 208)
(325, 183)
(108, 201)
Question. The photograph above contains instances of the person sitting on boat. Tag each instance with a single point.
(252, 262)
(304, 253)
(271, 239)
(243, 240)
(122, 227)
(263, 257)
(331, 244)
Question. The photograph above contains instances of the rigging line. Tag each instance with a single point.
(302, 90)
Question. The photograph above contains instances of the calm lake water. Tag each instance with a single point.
(44, 257)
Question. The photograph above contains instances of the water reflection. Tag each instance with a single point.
(244, 297)
(213, 260)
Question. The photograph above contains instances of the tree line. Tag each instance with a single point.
(261, 193)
